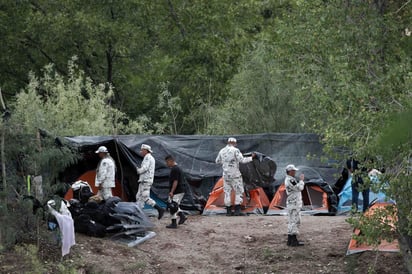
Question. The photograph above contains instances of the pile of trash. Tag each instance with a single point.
(124, 221)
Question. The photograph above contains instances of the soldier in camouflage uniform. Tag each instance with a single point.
(105, 174)
(230, 157)
(293, 203)
(146, 172)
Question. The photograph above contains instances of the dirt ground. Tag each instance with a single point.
(220, 244)
(247, 244)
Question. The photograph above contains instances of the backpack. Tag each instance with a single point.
(85, 225)
(82, 191)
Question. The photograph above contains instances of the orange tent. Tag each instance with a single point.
(89, 177)
(315, 201)
(255, 203)
(355, 247)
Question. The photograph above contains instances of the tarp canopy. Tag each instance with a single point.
(196, 155)
(258, 173)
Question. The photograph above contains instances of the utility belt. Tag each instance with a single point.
(232, 176)
(145, 182)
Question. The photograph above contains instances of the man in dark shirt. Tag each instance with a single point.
(176, 192)
(358, 185)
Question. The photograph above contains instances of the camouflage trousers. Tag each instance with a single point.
(237, 185)
(143, 195)
(105, 193)
(293, 221)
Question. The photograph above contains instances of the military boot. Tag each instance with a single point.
(295, 242)
(173, 224)
(289, 240)
(238, 212)
(182, 218)
(228, 211)
(160, 211)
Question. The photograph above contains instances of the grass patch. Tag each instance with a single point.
(267, 253)
(135, 266)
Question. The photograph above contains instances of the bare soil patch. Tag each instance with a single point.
(220, 244)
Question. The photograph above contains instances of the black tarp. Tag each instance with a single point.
(259, 173)
(196, 155)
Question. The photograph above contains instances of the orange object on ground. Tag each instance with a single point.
(355, 247)
(256, 202)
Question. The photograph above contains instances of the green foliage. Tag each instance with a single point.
(51, 105)
(28, 253)
(375, 227)
(209, 53)
(68, 106)
(267, 254)
(347, 65)
(104, 36)
(171, 110)
(379, 225)
(135, 46)
(18, 223)
(262, 93)
(317, 52)
(354, 76)
(394, 145)
(347, 71)
(341, 69)
(67, 267)
(396, 135)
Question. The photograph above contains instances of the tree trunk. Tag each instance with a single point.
(3, 162)
(109, 58)
(3, 158)
(176, 19)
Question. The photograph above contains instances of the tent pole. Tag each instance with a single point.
(310, 200)
(120, 166)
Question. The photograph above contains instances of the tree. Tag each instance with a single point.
(109, 38)
(171, 110)
(135, 46)
(50, 107)
(352, 63)
(261, 92)
(394, 144)
(196, 50)
(67, 106)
